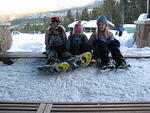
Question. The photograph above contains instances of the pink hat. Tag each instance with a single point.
(78, 27)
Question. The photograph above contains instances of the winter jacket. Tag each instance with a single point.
(55, 37)
(100, 37)
(120, 28)
(102, 45)
(77, 44)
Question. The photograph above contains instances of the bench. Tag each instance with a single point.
(12, 55)
(6, 57)
(22, 55)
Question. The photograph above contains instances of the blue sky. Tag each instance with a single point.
(19, 6)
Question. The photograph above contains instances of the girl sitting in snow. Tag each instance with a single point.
(103, 42)
(77, 41)
(55, 41)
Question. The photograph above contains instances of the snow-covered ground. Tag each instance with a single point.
(22, 82)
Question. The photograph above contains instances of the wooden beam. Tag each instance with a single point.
(41, 108)
(48, 108)
(76, 107)
(22, 55)
(13, 55)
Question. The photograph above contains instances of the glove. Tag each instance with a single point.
(46, 52)
(109, 40)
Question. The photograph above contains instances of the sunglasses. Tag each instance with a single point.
(56, 23)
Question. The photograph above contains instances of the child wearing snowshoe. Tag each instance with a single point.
(103, 43)
(55, 41)
(78, 41)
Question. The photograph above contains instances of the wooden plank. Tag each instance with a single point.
(22, 55)
(123, 107)
(48, 108)
(40, 55)
(99, 109)
(20, 102)
(19, 108)
(99, 105)
(41, 108)
(136, 57)
(16, 107)
(2, 111)
(105, 107)
(108, 112)
(19, 105)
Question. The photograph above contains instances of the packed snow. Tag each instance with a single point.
(22, 82)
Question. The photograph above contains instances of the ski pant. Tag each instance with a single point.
(58, 53)
(79, 49)
(102, 50)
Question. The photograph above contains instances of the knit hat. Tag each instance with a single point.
(102, 19)
(78, 27)
(55, 19)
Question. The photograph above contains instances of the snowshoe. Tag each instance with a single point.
(108, 65)
(70, 64)
(55, 68)
(123, 65)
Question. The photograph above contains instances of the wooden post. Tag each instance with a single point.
(142, 34)
(148, 8)
(5, 36)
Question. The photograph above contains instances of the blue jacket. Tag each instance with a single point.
(76, 43)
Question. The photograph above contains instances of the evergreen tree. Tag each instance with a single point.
(85, 15)
(46, 23)
(70, 16)
(77, 16)
(27, 28)
(68, 19)
(95, 13)
(133, 9)
(111, 11)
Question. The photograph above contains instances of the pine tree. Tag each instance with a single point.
(77, 16)
(85, 15)
(69, 15)
(133, 9)
(68, 19)
(95, 13)
(111, 11)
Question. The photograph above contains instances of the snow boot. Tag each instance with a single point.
(108, 65)
(123, 65)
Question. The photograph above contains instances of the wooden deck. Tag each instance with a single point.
(13, 55)
(101, 107)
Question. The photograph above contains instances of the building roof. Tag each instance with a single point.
(72, 24)
(92, 24)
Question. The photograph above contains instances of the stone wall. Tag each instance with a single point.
(5, 37)
(142, 34)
